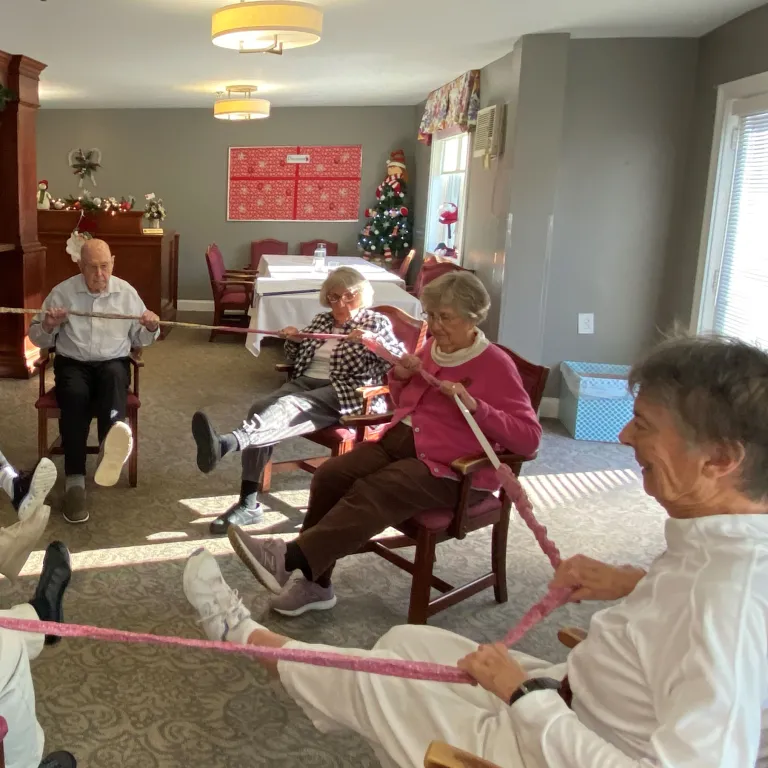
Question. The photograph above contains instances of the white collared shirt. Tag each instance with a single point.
(93, 338)
(676, 674)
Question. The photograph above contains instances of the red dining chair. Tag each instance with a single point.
(3, 734)
(308, 248)
(405, 265)
(431, 271)
(267, 246)
(427, 529)
(232, 291)
(411, 331)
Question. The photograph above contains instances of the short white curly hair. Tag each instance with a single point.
(346, 279)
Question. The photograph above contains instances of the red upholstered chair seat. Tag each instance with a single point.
(437, 520)
(235, 298)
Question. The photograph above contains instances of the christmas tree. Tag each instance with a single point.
(388, 233)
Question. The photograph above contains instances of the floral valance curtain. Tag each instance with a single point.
(453, 107)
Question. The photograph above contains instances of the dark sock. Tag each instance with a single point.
(324, 580)
(249, 494)
(295, 560)
(227, 443)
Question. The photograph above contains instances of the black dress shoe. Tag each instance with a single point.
(208, 443)
(237, 514)
(54, 579)
(59, 760)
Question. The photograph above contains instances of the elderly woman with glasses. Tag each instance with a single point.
(380, 484)
(323, 386)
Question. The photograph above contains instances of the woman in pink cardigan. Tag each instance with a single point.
(380, 484)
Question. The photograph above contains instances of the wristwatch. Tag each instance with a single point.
(534, 684)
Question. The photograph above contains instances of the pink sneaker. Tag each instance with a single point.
(264, 558)
(301, 596)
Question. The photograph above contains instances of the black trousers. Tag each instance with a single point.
(85, 389)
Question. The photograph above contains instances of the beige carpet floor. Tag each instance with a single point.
(147, 707)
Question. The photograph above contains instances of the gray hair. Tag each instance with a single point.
(461, 291)
(346, 279)
(717, 388)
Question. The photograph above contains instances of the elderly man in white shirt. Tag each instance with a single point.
(91, 366)
(674, 675)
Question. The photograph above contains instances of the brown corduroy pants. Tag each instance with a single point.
(362, 493)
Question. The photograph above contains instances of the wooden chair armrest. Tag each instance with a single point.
(284, 367)
(44, 359)
(467, 465)
(373, 391)
(136, 357)
(222, 283)
(441, 755)
(570, 637)
(355, 421)
(240, 273)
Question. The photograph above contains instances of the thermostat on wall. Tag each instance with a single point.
(296, 159)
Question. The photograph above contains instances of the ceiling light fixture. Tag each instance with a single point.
(266, 26)
(243, 106)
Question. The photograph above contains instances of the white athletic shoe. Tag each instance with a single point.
(30, 491)
(115, 451)
(220, 608)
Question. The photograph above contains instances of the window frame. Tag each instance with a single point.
(734, 100)
(435, 170)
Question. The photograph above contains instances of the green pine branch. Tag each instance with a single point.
(6, 96)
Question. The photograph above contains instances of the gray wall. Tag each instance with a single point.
(624, 144)
(736, 50)
(616, 156)
(181, 155)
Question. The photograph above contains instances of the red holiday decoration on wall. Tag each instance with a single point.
(264, 185)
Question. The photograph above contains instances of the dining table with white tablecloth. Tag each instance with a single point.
(279, 302)
(303, 267)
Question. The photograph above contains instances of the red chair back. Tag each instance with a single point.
(402, 270)
(268, 246)
(410, 330)
(3, 734)
(431, 271)
(215, 262)
(308, 248)
(534, 376)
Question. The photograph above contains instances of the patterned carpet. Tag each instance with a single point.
(146, 707)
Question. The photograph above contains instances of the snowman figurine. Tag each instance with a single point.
(43, 196)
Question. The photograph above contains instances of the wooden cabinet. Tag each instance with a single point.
(149, 262)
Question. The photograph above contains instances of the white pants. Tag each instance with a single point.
(399, 717)
(24, 742)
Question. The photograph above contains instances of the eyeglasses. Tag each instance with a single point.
(346, 297)
(439, 317)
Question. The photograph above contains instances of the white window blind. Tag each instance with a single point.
(741, 304)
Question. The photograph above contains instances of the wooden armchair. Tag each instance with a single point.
(431, 270)
(48, 408)
(267, 246)
(427, 529)
(232, 291)
(339, 439)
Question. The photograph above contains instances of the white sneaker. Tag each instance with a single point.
(30, 491)
(220, 608)
(115, 450)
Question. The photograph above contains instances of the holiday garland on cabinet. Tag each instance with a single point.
(388, 233)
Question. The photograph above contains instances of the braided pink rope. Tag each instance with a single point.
(414, 670)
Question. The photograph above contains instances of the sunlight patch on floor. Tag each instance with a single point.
(559, 490)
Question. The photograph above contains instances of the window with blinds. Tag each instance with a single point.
(741, 300)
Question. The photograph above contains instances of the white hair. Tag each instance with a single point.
(346, 279)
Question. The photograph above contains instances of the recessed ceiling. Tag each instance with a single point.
(158, 53)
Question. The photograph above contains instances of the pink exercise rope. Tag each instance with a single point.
(413, 670)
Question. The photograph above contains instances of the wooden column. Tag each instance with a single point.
(22, 258)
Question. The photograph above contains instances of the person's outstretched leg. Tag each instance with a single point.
(398, 717)
(28, 491)
(24, 743)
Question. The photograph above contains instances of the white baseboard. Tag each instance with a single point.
(193, 305)
(549, 407)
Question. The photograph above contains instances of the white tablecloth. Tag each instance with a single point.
(271, 312)
(301, 267)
